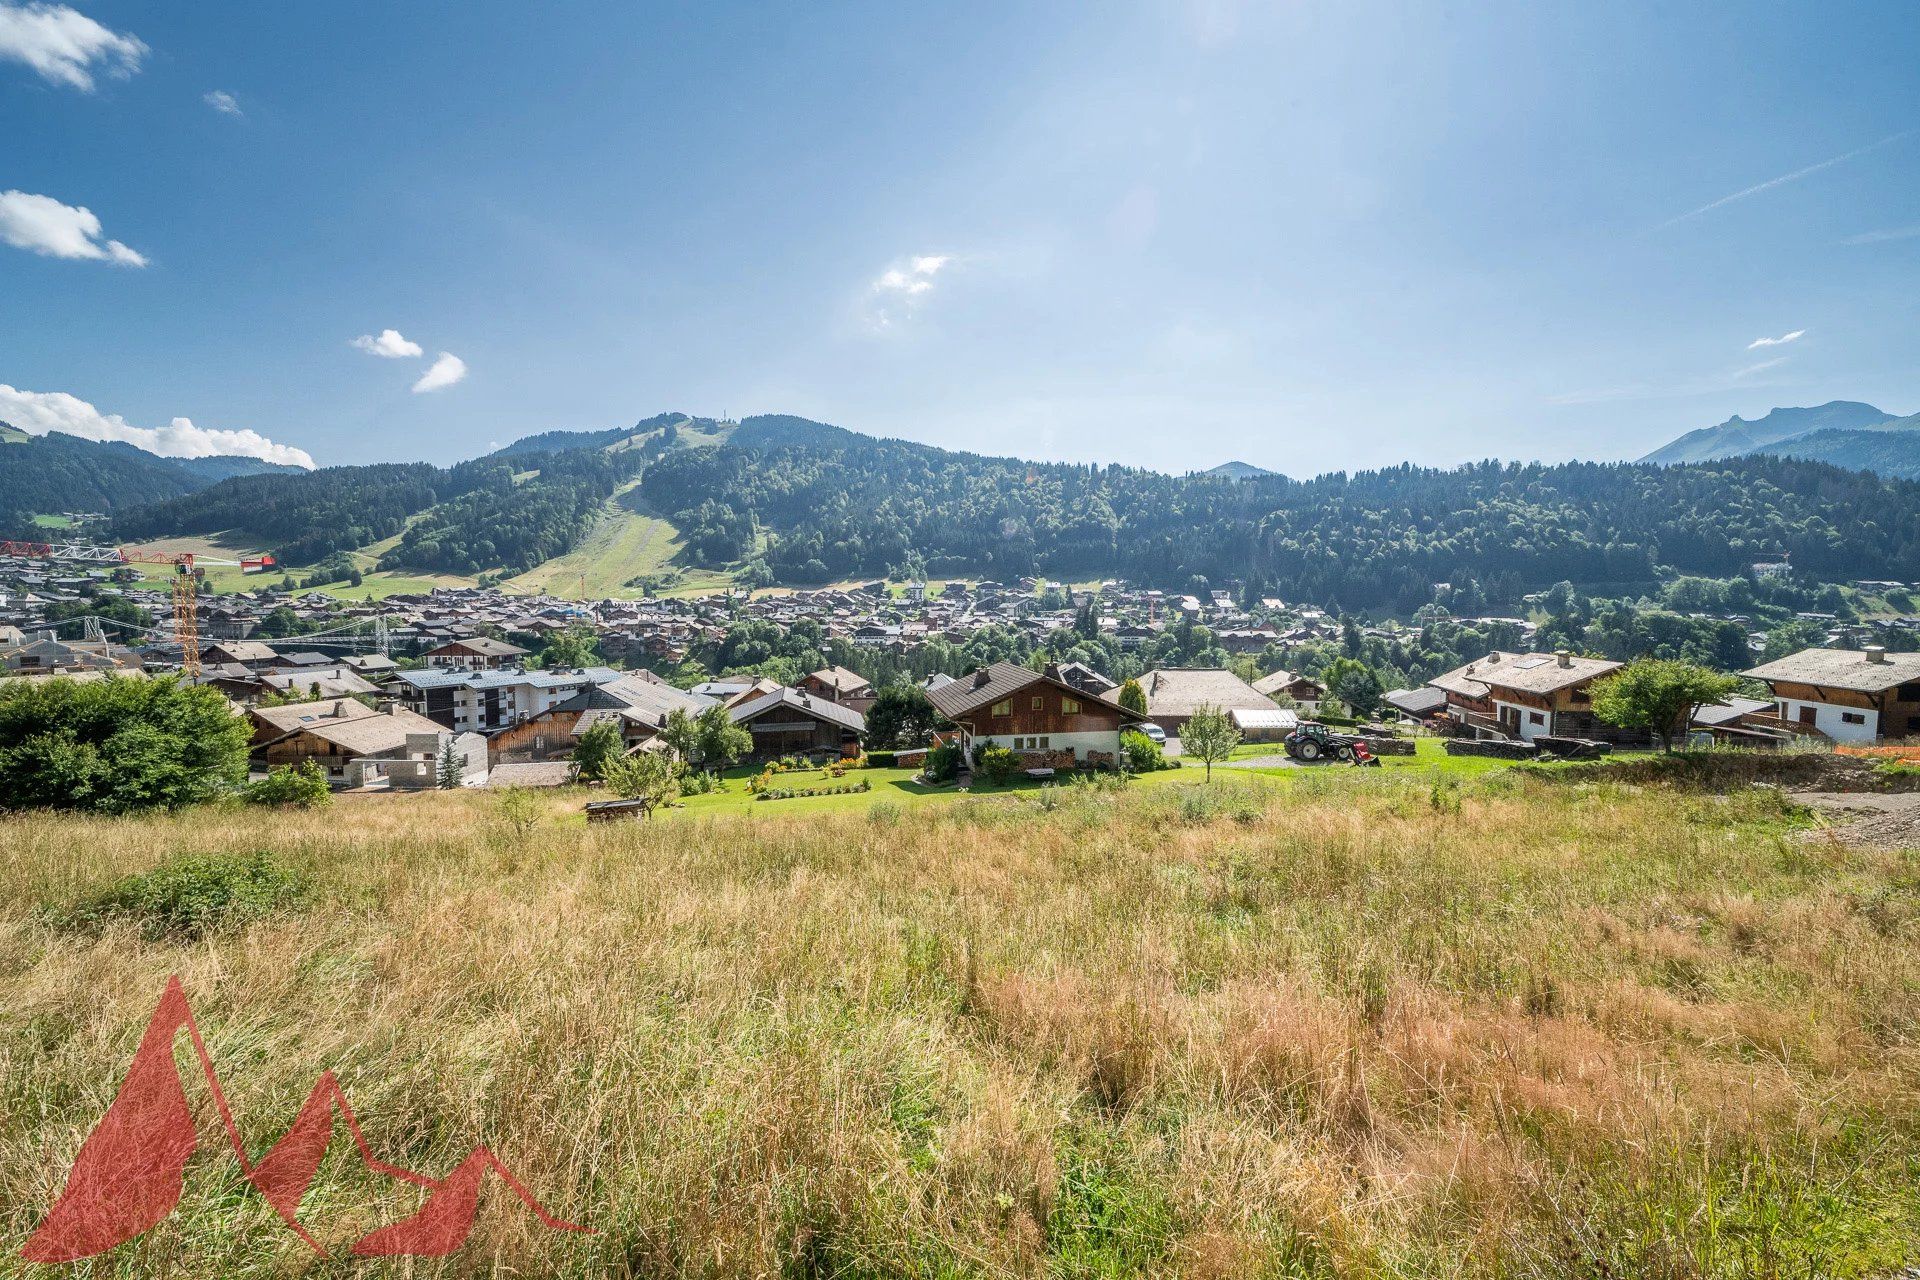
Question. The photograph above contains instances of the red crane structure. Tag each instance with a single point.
(186, 607)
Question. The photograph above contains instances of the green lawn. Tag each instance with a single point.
(45, 521)
(899, 785)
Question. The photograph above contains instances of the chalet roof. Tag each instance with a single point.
(299, 715)
(1535, 673)
(375, 734)
(998, 682)
(1416, 702)
(795, 700)
(1180, 691)
(1276, 681)
(1729, 711)
(485, 646)
(1842, 669)
(244, 650)
(840, 679)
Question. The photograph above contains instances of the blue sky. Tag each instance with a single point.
(1313, 236)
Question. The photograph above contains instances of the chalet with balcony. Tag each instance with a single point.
(1035, 714)
(1523, 696)
(793, 722)
(1848, 695)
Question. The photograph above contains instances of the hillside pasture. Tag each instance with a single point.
(1357, 1025)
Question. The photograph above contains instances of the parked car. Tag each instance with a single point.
(1151, 732)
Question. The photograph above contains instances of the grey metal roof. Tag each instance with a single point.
(806, 704)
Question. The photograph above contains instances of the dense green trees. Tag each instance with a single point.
(834, 508)
(117, 745)
(901, 716)
(597, 751)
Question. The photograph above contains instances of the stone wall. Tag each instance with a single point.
(1497, 750)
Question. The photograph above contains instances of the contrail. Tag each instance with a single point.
(1785, 178)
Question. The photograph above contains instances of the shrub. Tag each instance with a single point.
(300, 787)
(880, 759)
(117, 745)
(188, 897)
(998, 764)
(520, 810)
(943, 763)
(1142, 754)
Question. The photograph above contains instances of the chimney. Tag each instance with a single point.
(1875, 653)
(1493, 659)
(1564, 658)
(1053, 671)
(980, 678)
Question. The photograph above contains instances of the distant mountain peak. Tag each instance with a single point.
(1844, 433)
(1237, 470)
(1738, 436)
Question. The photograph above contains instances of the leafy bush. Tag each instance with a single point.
(700, 782)
(1142, 754)
(188, 897)
(117, 745)
(997, 763)
(943, 763)
(881, 759)
(302, 786)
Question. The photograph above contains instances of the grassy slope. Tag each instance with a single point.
(1329, 1028)
(627, 540)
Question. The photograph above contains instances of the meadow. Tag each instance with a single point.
(1394, 1022)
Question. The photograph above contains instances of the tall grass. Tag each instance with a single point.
(1541, 1029)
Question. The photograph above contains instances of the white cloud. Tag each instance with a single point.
(38, 412)
(42, 225)
(223, 102)
(1883, 236)
(443, 372)
(64, 46)
(898, 290)
(389, 344)
(1762, 367)
(1785, 178)
(1780, 341)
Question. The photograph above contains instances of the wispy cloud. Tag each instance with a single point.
(65, 46)
(1884, 235)
(223, 102)
(443, 372)
(1780, 341)
(1785, 178)
(38, 412)
(42, 225)
(389, 345)
(901, 288)
(1762, 367)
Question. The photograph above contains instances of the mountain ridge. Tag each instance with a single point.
(1843, 433)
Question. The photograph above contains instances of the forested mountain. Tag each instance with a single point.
(1845, 433)
(474, 517)
(801, 502)
(499, 522)
(58, 472)
(1891, 449)
(1370, 539)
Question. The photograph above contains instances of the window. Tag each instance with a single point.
(1909, 692)
(1044, 741)
(1038, 702)
(1003, 708)
(1070, 706)
(1853, 717)
(1536, 717)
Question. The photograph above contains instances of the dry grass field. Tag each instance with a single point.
(1389, 1025)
